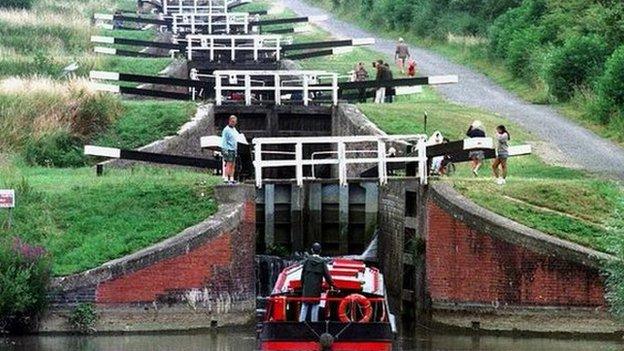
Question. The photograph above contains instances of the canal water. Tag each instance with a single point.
(243, 340)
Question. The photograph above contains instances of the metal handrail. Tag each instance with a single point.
(381, 158)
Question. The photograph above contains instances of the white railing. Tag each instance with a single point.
(340, 144)
(279, 82)
(196, 6)
(257, 45)
(212, 23)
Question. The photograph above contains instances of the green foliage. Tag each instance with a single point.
(575, 64)
(16, 4)
(24, 276)
(58, 149)
(506, 28)
(519, 52)
(611, 89)
(614, 272)
(83, 318)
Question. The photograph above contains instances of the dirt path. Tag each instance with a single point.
(581, 146)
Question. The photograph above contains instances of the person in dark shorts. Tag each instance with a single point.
(229, 146)
(477, 156)
(499, 167)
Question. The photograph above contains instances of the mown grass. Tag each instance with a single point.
(84, 220)
(560, 201)
(145, 121)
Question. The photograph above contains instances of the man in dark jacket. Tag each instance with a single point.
(314, 270)
(387, 75)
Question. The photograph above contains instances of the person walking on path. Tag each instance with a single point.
(361, 75)
(476, 157)
(229, 147)
(314, 270)
(380, 94)
(401, 55)
(499, 167)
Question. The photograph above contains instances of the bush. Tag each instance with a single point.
(83, 318)
(95, 114)
(611, 84)
(25, 272)
(577, 63)
(522, 46)
(505, 28)
(16, 4)
(58, 149)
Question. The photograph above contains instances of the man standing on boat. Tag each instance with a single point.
(314, 270)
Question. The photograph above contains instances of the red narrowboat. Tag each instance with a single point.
(355, 317)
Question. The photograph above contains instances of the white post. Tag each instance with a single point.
(165, 7)
(212, 49)
(422, 161)
(278, 90)
(258, 163)
(279, 49)
(256, 44)
(305, 89)
(335, 89)
(189, 48)
(218, 96)
(299, 163)
(227, 24)
(247, 90)
(381, 166)
(233, 49)
(342, 163)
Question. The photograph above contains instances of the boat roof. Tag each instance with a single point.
(348, 275)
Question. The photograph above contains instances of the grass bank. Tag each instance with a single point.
(557, 200)
(48, 121)
(84, 221)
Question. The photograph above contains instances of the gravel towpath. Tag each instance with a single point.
(574, 144)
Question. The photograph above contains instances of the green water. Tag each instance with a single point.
(242, 340)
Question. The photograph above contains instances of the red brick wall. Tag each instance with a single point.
(464, 265)
(224, 263)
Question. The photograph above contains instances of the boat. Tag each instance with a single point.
(353, 317)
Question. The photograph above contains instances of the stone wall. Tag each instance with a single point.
(481, 265)
(391, 225)
(202, 277)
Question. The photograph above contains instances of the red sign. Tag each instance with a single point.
(7, 198)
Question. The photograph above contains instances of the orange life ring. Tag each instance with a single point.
(362, 301)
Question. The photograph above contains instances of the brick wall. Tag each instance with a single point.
(214, 258)
(466, 265)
